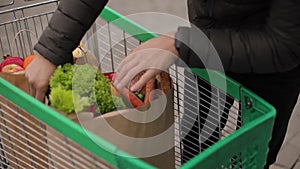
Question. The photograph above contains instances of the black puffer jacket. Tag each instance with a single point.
(249, 35)
(67, 27)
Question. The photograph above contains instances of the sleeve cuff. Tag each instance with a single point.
(181, 41)
(52, 56)
(191, 43)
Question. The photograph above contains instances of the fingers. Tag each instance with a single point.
(40, 95)
(135, 79)
(122, 70)
(38, 74)
(154, 55)
(31, 90)
(124, 79)
(37, 90)
(149, 74)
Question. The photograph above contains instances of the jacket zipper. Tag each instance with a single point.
(210, 7)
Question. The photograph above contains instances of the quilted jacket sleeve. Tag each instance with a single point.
(66, 28)
(273, 47)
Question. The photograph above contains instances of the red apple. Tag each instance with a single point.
(12, 60)
(13, 68)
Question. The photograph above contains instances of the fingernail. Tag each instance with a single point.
(133, 88)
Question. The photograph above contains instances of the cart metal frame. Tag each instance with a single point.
(25, 119)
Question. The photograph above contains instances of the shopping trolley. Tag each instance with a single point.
(242, 141)
(7, 3)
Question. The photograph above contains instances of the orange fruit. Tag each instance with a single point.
(28, 60)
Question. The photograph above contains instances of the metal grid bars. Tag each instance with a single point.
(27, 142)
(20, 27)
(109, 44)
(204, 114)
(7, 3)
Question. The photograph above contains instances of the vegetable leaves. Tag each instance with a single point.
(75, 87)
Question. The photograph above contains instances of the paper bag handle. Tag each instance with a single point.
(14, 43)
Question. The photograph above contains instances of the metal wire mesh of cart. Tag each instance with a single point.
(25, 143)
(204, 112)
(7, 3)
(34, 17)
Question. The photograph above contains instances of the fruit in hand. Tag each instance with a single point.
(12, 68)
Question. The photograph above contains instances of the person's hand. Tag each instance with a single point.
(153, 56)
(38, 74)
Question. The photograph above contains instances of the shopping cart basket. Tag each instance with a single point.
(242, 142)
(7, 3)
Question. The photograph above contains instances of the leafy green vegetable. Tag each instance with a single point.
(84, 79)
(103, 95)
(80, 102)
(119, 103)
(62, 77)
(74, 87)
(67, 101)
(62, 99)
(140, 96)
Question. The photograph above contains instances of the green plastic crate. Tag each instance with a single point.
(246, 147)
